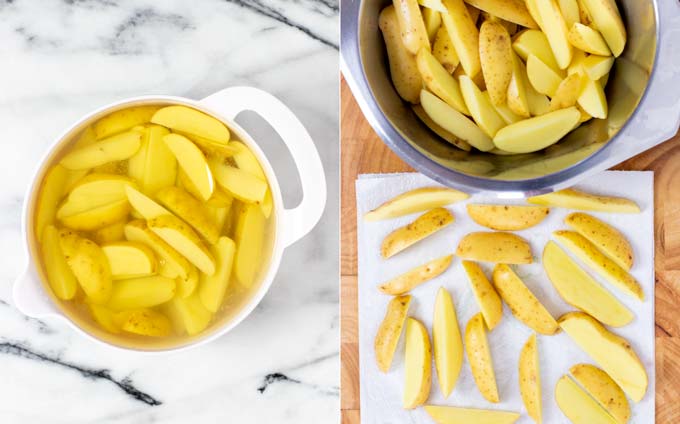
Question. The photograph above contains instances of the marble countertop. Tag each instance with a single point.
(61, 59)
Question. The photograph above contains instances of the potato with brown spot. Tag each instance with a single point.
(403, 69)
(388, 334)
(507, 217)
(495, 54)
(416, 276)
(424, 226)
(495, 247)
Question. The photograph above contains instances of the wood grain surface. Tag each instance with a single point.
(363, 152)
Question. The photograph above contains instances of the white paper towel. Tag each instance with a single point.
(381, 393)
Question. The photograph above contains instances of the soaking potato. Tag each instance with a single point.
(173, 263)
(441, 132)
(416, 276)
(522, 302)
(447, 342)
(495, 247)
(403, 68)
(154, 165)
(184, 240)
(186, 207)
(597, 67)
(89, 265)
(122, 120)
(533, 41)
(542, 77)
(530, 379)
(537, 133)
(423, 227)
(495, 54)
(485, 294)
(212, 288)
(593, 100)
(433, 21)
(95, 190)
(451, 414)
(110, 233)
(607, 20)
(444, 52)
(611, 352)
(50, 194)
(605, 237)
(578, 289)
(417, 365)
(144, 292)
(59, 274)
(555, 28)
(388, 334)
(238, 183)
(575, 403)
(440, 82)
(117, 147)
(479, 356)
(249, 238)
(567, 92)
(193, 162)
(106, 318)
(412, 27)
(192, 121)
(588, 253)
(146, 322)
(587, 39)
(246, 161)
(464, 35)
(144, 206)
(507, 217)
(480, 107)
(603, 389)
(193, 316)
(98, 217)
(187, 286)
(517, 98)
(418, 200)
(128, 259)
(570, 11)
(575, 199)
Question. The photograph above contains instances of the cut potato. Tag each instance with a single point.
(238, 183)
(95, 190)
(89, 265)
(505, 112)
(144, 206)
(387, 337)
(249, 238)
(530, 379)
(246, 161)
(213, 288)
(453, 415)
(143, 292)
(184, 240)
(412, 27)
(585, 16)
(597, 67)
(605, 237)
(192, 161)
(441, 132)
(447, 341)
(611, 352)
(154, 165)
(479, 356)
(114, 148)
(488, 300)
(129, 259)
(495, 247)
(110, 233)
(495, 54)
(518, 101)
(173, 264)
(433, 4)
(423, 227)
(186, 207)
(537, 133)
(535, 42)
(575, 199)
(607, 20)
(593, 100)
(192, 121)
(539, 104)
(603, 389)
(578, 289)
(403, 68)
(210, 147)
(146, 322)
(187, 286)
(97, 217)
(417, 365)
(555, 28)
(433, 21)
(418, 200)
(570, 12)
(542, 77)
(588, 253)
(122, 120)
(587, 39)
(440, 82)
(509, 10)
(522, 302)
(567, 92)
(507, 217)
(464, 35)
(190, 311)
(444, 51)
(480, 107)
(51, 192)
(575, 403)
(59, 274)
(106, 318)
(416, 276)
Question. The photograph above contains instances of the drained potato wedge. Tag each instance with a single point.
(447, 341)
(59, 274)
(603, 389)
(444, 51)
(193, 162)
(607, 20)
(542, 77)
(144, 292)
(479, 356)
(114, 148)
(403, 68)
(495, 247)
(505, 112)
(530, 379)
(441, 132)
(518, 101)
(388, 334)
(416, 276)
(570, 11)
(611, 352)
(423, 227)
(588, 253)
(578, 289)
(488, 300)
(587, 39)
(513, 11)
(122, 120)
(534, 42)
(539, 104)
(190, 210)
(605, 237)
(507, 217)
(495, 54)
(418, 200)
(480, 107)
(89, 265)
(173, 264)
(464, 35)
(450, 415)
(567, 92)
(597, 67)
(129, 259)
(537, 133)
(413, 32)
(522, 302)
(417, 365)
(440, 82)
(433, 21)
(192, 121)
(184, 240)
(575, 199)
(593, 100)
(580, 408)
(212, 288)
(555, 28)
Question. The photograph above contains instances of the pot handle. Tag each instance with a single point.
(299, 221)
(29, 295)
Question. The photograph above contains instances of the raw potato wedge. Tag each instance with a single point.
(51, 192)
(192, 121)
(464, 35)
(537, 133)
(192, 161)
(542, 77)
(533, 41)
(249, 238)
(424, 226)
(575, 199)
(146, 322)
(93, 191)
(433, 4)
(129, 259)
(555, 28)
(567, 92)
(480, 107)
(507, 217)
(144, 206)
(110, 233)
(588, 253)
(605, 237)
(495, 247)
(417, 365)
(172, 264)
(587, 39)
(154, 165)
(122, 120)
(495, 54)
(187, 286)
(607, 20)
(522, 302)
(597, 67)
(578, 289)
(444, 51)
(440, 82)
(603, 389)
(144, 292)
(580, 408)
(387, 337)
(413, 32)
(441, 132)
(89, 265)
(184, 240)
(455, 122)
(186, 207)
(517, 98)
(487, 298)
(213, 288)
(114, 148)
(447, 341)
(433, 21)
(403, 68)
(570, 11)
(97, 217)
(241, 184)
(191, 313)
(59, 274)
(505, 112)
(593, 100)
(509, 10)
(452, 415)
(611, 352)
(530, 379)
(479, 356)
(105, 317)
(246, 161)
(418, 200)
(416, 276)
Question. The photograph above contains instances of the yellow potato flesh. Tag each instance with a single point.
(518, 101)
(130, 259)
(191, 312)
(433, 21)
(575, 199)
(413, 201)
(555, 29)
(606, 18)
(479, 356)
(444, 52)
(603, 389)
(89, 265)
(110, 233)
(542, 77)
(192, 121)
(537, 133)
(417, 365)
(95, 190)
(114, 148)
(98, 217)
(577, 405)
(464, 35)
(495, 53)
(488, 300)
(505, 112)
(450, 414)
(441, 132)
(389, 332)
(507, 217)
(480, 107)
(588, 40)
(530, 379)
(593, 100)
(105, 317)
(154, 165)
(539, 104)
(238, 183)
(416, 276)
(403, 68)
(122, 120)
(50, 194)
(187, 286)
(597, 67)
(144, 205)
(447, 342)
(567, 93)
(172, 264)
(605, 237)
(423, 227)
(144, 292)
(246, 161)
(249, 238)
(186, 207)
(146, 322)
(509, 10)
(535, 42)
(578, 289)
(193, 163)
(412, 27)
(440, 82)
(212, 288)
(495, 247)
(570, 11)
(433, 4)
(183, 239)
(59, 274)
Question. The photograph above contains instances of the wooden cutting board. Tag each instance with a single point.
(363, 152)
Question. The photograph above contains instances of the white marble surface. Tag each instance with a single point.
(60, 59)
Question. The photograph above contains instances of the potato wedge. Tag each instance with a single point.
(187, 286)
(212, 288)
(507, 217)
(447, 342)
(495, 54)
(575, 403)
(603, 389)
(531, 135)
(555, 28)
(144, 292)
(246, 161)
(129, 259)
(597, 67)
(455, 122)
(588, 253)
(587, 39)
(433, 4)
(122, 120)
(144, 206)
(611, 352)
(146, 322)
(593, 100)
(409, 280)
(608, 239)
(249, 237)
(575, 199)
(387, 337)
(522, 302)
(505, 112)
(403, 68)
(192, 121)
(193, 163)
(98, 217)
(117, 147)
(184, 240)
(511, 10)
(59, 275)
(110, 233)
(191, 313)
(451, 414)
(94, 191)
(539, 104)
(530, 379)
(517, 98)
(567, 92)
(423, 227)
(50, 194)
(172, 264)
(433, 21)
(89, 265)
(154, 165)
(417, 365)
(479, 356)
(464, 35)
(480, 107)
(412, 27)
(441, 132)
(440, 82)
(578, 289)
(542, 77)
(485, 294)
(238, 183)
(570, 12)
(495, 247)
(607, 20)
(535, 42)
(106, 318)
(418, 200)
(186, 207)
(444, 52)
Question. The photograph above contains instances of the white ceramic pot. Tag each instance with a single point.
(290, 225)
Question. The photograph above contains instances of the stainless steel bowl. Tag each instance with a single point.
(643, 93)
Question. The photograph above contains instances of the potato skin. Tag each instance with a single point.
(388, 334)
(607, 238)
(605, 390)
(488, 299)
(411, 25)
(530, 379)
(495, 54)
(495, 247)
(416, 276)
(403, 69)
(507, 217)
(424, 226)
(418, 200)
(89, 265)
